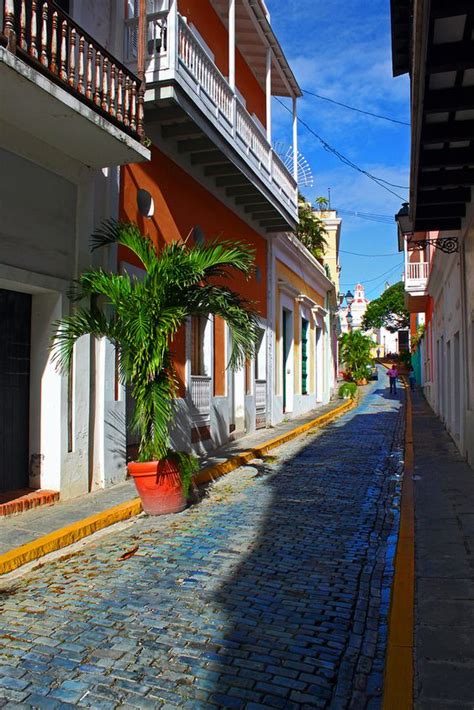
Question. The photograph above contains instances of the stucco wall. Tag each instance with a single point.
(37, 227)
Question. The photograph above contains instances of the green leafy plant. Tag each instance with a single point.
(311, 231)
(415, 339)
(348, 390)
(388, 310)
(142, 316)
(355, 353)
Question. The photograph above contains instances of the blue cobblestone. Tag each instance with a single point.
(272, 592)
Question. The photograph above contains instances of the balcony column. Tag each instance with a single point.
(232, 63)
(268, 92)
(295, 140)
(142, 28)
(173, 31)
(232, 44)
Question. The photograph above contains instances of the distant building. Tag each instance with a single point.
(384, 340)
(358, 309)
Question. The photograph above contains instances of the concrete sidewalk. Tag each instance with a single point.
(444, 567)
(25, 529)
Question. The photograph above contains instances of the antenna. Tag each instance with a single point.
(305, 175)
(329, 197)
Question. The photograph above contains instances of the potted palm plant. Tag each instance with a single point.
(141, 316)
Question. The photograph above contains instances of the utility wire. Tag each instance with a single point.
(353, 108)
(379, 181)
(382, 218)
(354, 253)
(367, 281)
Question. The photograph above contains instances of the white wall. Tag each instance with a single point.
(446, 393)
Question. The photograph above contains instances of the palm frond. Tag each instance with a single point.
(69, 329)
(128, 234)
(215, 258)
(117, 288)
(238, 313)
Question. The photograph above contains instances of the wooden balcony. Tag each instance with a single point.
(191, 106)
(45, 46)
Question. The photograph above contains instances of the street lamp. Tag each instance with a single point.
(449, 245)
(349, 318)
(403, 220)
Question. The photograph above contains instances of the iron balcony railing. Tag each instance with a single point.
(49, 40)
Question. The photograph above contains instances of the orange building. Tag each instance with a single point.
(211, 69)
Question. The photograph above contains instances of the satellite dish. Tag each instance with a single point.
(305, 175)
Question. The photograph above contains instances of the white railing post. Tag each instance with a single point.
(268, 94)
(232, 44)
(173, 38)
(232, 63)
(295, 140)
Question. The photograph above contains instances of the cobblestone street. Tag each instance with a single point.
(273, 591)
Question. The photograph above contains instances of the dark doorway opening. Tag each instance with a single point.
(15, 319)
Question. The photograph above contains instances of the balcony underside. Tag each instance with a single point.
(416, 303)
(39, 107)
(174, 123)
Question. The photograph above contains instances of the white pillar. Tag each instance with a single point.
(173, 34)
(295, 140)
(232, 44)
(268, 87)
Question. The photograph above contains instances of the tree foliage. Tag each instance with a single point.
(311, 231)
(142, 316)
(355, 353)
(388, 310)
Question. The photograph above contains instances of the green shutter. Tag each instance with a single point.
(304, 356)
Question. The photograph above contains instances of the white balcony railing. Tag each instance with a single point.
(201, 397)
(416, 276)
(175, 53)
(417, 271)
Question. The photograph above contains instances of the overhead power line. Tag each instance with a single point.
(379, 181)
(353, 108)
(376, 278)
(354, 253)
(371, 217)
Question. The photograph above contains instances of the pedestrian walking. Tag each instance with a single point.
(411, 378)
(392, 375)
(378, 352)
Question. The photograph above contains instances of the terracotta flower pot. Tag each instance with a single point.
(159, 486)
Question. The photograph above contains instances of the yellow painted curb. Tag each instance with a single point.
(73, 533)
(213, 472)
(398, 681)
(67, 536)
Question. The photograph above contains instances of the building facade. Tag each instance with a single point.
(304, 360)
(436, 229)
(87, 87)
(66, 124)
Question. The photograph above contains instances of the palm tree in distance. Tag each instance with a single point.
(142, 316)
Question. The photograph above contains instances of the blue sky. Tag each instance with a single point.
(342, 50)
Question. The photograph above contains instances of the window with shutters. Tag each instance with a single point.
(304, 355)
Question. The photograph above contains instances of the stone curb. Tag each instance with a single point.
(19, 556)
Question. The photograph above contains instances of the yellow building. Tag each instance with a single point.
(303, 353)
(332, 224)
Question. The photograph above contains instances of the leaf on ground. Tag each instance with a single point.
(128, 554)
